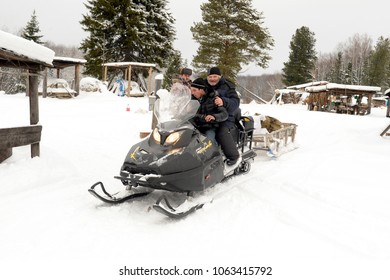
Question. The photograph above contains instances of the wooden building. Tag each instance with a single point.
(16, 52)
(127, 68)
(340, 98)
(60, 63)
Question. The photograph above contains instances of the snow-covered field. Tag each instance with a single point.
(321, 211)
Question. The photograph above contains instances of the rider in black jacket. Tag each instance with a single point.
(209, 115)
(228, 99)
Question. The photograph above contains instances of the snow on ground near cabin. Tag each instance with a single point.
(320, 211)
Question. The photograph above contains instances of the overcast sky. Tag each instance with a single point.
(332, 21)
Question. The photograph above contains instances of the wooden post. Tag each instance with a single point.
(105, 73)
(77, 79)
(149, 80)
(58, 73)
(369, 101)
(27, 83)
(388, 108)
(34, 109)
(44, 86)
(129, 79)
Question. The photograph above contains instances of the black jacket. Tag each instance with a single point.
(207, 107)
(227, 91)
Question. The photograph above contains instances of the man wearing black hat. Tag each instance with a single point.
(227, 97)
(209, 115)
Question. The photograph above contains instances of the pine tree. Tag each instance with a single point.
(137, 30)
(378, 73)
(302, 58)
(338, 70)
(175, 63)
(31, 31)
(231, 35)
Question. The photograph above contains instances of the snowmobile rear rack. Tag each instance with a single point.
(114, 198)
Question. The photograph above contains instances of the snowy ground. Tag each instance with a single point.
(320, 211)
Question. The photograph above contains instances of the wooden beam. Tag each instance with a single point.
(20, 64)
(369, 102)
(150, 81)
(388, 108)
(77, 78)
(44, 86)
(5, 153)
(104, 73)
(19, 136)
(34, 109)
(129, 79)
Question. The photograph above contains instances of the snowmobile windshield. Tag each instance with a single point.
(175, 106)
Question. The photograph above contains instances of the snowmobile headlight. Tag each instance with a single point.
(173, 137)
(166, 138)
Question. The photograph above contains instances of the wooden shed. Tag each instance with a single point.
(127, 67)
(16, 52)
(341, 98)
(60, 63)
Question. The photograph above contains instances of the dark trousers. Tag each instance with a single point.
(225, 136)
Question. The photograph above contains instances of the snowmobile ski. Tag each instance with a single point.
(117, 197)
(164, 207)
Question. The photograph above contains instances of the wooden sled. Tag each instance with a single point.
(278, 141)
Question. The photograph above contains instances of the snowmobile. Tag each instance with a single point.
(177, 158)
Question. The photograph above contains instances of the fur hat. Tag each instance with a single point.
(186, 71)
(199, 83)
(214, 71)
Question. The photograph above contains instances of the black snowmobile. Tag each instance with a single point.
(177, 158)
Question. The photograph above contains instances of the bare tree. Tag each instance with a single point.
(347, 63)
(356, 52)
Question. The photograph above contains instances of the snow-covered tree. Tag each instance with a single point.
(230, 35)
(136, 30)
(31, 31)
(300, 66)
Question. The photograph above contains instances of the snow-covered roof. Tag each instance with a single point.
(69, 59)
(308, 85)
(342, 86)
(20, 48)
(123, 64)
